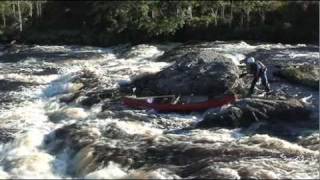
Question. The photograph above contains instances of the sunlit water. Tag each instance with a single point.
(28, 156)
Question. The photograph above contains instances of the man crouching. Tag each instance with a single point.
(258, 70)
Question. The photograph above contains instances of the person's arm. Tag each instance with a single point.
(256, 74)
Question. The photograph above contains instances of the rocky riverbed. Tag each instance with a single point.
(61, 113)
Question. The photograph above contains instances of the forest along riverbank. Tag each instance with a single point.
(61, 116)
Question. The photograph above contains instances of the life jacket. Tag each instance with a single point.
(257, 66)
(262, 66)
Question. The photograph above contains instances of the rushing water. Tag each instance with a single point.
(30, 98)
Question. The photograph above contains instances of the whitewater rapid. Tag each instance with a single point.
(26, 117)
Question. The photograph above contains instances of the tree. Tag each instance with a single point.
(4, 7)
(20, 17)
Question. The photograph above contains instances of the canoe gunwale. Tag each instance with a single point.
(141, 103)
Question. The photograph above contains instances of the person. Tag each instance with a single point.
(258, 70)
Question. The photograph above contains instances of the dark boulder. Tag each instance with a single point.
(198, 73)
(176, 53)
(88, 90)
(249, 110)
(9, 85)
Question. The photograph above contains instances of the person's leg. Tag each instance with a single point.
(264, 80)
(253, 84)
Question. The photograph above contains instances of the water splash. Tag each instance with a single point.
(41, 113)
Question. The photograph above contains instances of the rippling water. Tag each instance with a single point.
(34, 84)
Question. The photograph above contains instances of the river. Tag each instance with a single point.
(33, 81)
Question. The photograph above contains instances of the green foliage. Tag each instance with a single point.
(108, 22)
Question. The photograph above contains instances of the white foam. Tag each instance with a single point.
(305, 99)
(24, 159)
(265, 141)
(138, 128)
(160, 173)
(236, 58)
(219, 135)
(61, 87)
(30, 78)
(30, 114)
(112, 171)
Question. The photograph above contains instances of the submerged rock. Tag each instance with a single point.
(249, 110)
(67, 113)
(311, 142)
(198, 73)
(46, 71)
(8, 85)
(88, 90)
(7, 135)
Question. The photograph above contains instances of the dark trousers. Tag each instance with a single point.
(264, 80)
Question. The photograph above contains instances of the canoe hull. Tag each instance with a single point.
(167, 107)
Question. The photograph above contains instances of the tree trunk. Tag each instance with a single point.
(214, 13)
(241, 19)
(231, 14)
(30, 8)
(40, 9)
(263, 17)
(20, 17)
(222, 13)
(37, 8)
(4, 16)
(190, 11)
(14, 9)
(248, 19)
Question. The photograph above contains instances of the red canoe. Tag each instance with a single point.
(173, 104)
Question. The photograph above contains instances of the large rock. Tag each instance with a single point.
(249, 110)
(88, 90)
(307, 75)
(198, 73)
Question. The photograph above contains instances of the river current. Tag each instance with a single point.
(32, 83)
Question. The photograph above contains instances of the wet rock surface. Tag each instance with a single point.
(176, 54)
(188, 74)
(46, 71)
(249, 110)
(10, 85)
(88, 90)
(306, 75)
(7, 135)
(175, 153)
(157, 121)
